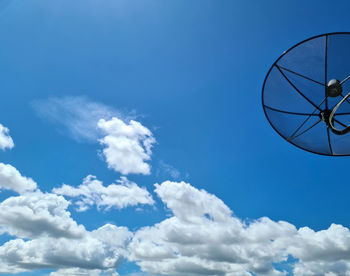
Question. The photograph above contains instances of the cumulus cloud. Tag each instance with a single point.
(48, 237)
(11, 179)
(77, 114)
(6, 141)
(101, 249)
(127, 145)
(326, 252)
(191, 204)
(203, 237)
(38, 214)
(92, 192)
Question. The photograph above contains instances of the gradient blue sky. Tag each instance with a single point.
(191, 71)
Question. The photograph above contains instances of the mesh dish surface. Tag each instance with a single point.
(294, 94)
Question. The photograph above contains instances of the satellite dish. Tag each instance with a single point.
(306, 94)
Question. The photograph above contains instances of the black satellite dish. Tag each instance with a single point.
(305, 94)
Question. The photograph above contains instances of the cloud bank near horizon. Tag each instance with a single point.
(201, 237)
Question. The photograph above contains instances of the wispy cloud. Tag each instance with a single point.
(78, 115)
(165, 170)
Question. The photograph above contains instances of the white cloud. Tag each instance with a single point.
(38, 214)
(83, 272)
(100, 249)
(6, 141)
(92, 192)
(11, 179)
(322, 252)
(204, 238)
(191, 204)
(77, 114)
(50, 238)
(127, 145)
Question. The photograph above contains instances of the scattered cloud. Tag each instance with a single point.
(127, 146)
(92, 192)
(202, 237)
(11, 179)
(77, 114)
(6, 141)
(38, 214)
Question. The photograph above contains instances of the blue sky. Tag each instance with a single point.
(191, 73)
